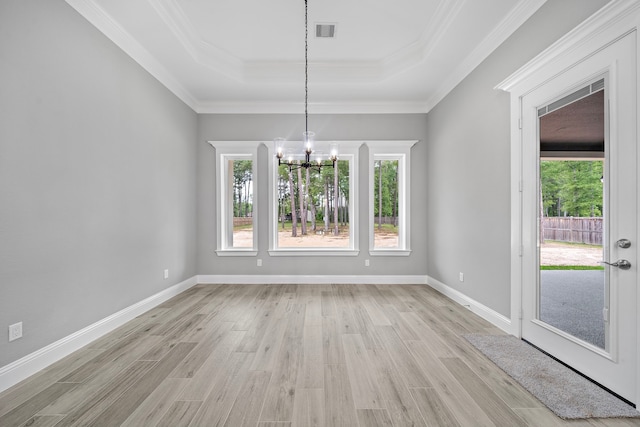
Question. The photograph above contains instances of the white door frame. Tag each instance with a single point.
(615, 20)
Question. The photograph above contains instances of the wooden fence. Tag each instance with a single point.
(242, 221)
(573, 229)
(386, 220)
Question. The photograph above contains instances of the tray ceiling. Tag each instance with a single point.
(226, 56)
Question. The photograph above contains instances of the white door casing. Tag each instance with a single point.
(605, 45)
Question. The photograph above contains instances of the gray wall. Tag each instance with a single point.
(97, 177)
(106, 178)
(327, 127)
(468, 155)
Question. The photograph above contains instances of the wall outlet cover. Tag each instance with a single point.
(15, 331)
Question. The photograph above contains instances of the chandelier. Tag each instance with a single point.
(318, 160)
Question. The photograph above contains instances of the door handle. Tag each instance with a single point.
(622, 264)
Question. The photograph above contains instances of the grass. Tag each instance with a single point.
(319, 226)
(388, 228)
(571, 267)
(242, 227)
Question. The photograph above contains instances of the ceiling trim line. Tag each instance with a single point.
(611, 17)
(318, 108)
(419, 50)
(202, 52)
(217, 59)
(518, 16)
(100, 19)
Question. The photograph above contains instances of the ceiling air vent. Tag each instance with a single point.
(326, 31)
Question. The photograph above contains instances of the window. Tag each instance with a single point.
(389, 197)
(235, 195)
(313, 211)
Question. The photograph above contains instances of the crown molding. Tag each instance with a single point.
(100, 19)
(233, 67)
(420, 50)
(314, 108)
(502, 32)
(324, 72)
(523, 11)
(616, 18)
(202, 52)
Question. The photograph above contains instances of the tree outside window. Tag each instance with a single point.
(236, 214)
(389, 201)
(385, 204)
(242, 194)
(313, 207)
(313, 210)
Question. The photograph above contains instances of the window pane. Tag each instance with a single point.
(313, 207)
(241, 203)
(385, 209)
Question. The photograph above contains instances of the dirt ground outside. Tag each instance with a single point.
(551, 253)
(559, 253)
(243, 239)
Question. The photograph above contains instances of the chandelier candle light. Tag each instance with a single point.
(307, 136)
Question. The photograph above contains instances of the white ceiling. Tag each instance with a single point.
(230, 56)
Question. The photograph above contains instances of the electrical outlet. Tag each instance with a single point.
(166, 274)
(259, 262)
(461, 276)
(366, 263)
(15, 331)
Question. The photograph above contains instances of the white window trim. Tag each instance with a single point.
(347, 150)
(234, 150)
(401, 151)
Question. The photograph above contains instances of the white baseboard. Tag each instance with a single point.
(321, 279)
(481, 310)
(17, 371)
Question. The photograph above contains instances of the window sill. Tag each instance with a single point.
(389, 252)
(236, 252)
(313, 252)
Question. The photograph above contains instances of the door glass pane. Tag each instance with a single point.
(572, 291)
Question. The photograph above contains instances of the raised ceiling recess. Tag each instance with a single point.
(229, 56)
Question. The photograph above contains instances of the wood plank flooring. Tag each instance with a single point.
(285, 355)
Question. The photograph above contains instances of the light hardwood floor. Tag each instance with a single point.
(285, 355)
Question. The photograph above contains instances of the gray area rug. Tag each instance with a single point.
(567, 394)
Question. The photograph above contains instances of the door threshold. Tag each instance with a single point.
(608, 390)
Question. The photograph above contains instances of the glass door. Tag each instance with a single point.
(579, 216)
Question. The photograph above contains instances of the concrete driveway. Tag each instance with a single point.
(572, 300)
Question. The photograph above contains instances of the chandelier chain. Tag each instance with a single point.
(306, 68)
(318, 163)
